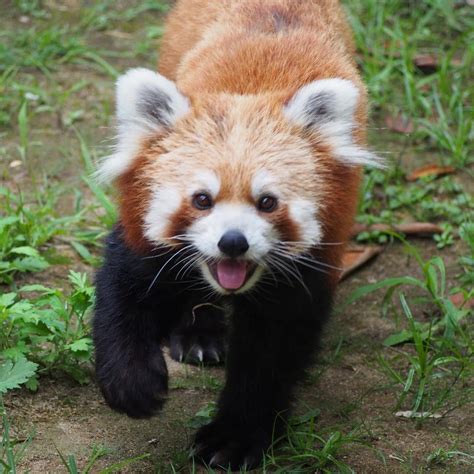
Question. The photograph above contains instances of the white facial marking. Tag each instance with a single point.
(164, 204)
(328, 106)
(146, 103)
(205, 181)
(262, 183)
(303, 212)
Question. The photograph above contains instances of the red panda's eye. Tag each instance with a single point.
(202, 201)
(267, 203)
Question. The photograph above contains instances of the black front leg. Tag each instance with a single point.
(129, 326)
(271, 345)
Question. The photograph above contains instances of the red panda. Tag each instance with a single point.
(237, 168)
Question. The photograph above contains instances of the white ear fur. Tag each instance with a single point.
(328, 106)
(146, 103)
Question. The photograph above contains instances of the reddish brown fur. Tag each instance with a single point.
(269, 48)
(133, 198)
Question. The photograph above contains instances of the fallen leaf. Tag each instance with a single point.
(419, 229)
(357, 256)
(399, 124)
(458, 300)
(429, 63)
(417, 414)
(430, 170)
(15, 163)
(426, 63)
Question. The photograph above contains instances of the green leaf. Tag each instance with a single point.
(387, 283)
(30, 264)
(8, 221)
(81, 345)
(14, 374)
(7, 299)
(398, 338)
(35, 288)
(84, 253)
(30, 251)
(309, 416)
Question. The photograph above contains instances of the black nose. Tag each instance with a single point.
(233, 243)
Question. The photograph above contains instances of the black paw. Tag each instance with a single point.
(136, 387)
(223, 445)
(201, 336)
(195, 348)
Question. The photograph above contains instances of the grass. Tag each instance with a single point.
(57, 69)
(438, 352)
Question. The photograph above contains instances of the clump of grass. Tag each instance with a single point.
(25, 227)
(440, 457)
(47, 49)
(304, 448)
(438, 353)
(49, 328)
(98, 452)
(11, 450)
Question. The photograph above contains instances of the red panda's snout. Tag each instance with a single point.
(234, 242)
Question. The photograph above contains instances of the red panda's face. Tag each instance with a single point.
(238, 186)
(231, 178)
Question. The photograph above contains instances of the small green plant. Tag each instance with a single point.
(11, 450)
(439, 351)
(49, 329)
(304, 448)
(97, 453)
(47, 48)
(442, 456)
(26, 228)
(203, 416)
(14, 373)
(446, 238)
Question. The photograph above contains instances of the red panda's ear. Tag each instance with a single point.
(328, 107)
(147, 103)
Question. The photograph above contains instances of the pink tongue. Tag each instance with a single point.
(231, 273)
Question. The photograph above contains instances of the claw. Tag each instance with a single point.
(213, 354)
(216, 460)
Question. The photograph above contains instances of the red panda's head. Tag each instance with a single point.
(246, 182)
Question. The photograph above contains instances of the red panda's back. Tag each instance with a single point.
(253, 46)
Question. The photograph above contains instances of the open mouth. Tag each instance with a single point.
(232, 274)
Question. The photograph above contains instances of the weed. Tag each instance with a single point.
(11, 450)
(440, 350)
(46, 49)
(306, 449)
(25, 228)
(204, 416)
(442, 456)
(49, 329)
(97, 453)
